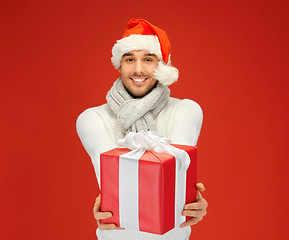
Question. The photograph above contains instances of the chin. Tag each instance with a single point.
(137, 95)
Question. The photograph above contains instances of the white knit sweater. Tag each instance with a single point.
(98, 130)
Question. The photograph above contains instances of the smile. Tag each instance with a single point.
(139, 79)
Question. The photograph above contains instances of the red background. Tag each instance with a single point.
(55, 63)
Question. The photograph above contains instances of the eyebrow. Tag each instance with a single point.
(127, 54)
(150, 54)
(147, 54)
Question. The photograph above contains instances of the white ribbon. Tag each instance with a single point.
(128, 165)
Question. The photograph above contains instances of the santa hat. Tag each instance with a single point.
(142, 35)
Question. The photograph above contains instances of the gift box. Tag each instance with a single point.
(147, 190)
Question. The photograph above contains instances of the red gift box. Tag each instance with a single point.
(156, 180)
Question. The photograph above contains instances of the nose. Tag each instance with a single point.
(138, 67)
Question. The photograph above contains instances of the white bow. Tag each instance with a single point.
(152, 141)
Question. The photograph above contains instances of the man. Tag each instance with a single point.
(139, 101)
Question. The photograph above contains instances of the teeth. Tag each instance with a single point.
(139, 79)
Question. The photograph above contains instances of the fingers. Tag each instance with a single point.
(198, 205)
(197, 210)
(200, 187)
(102, 215)
(190, 222)
(106, 226)
(98, 215)
(96, 210)
(194, 213)
(96, 207)
(199, 196)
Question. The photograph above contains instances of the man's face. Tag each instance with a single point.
(137, 68)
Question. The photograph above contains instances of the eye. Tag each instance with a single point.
(129, 60)
(148, 60)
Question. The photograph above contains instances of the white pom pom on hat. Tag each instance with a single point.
(142, 35)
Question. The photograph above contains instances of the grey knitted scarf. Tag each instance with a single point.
(137, 114)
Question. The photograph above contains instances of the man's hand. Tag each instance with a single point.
(196, 210)
(103, 215)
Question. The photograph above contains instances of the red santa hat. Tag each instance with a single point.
(142, 35)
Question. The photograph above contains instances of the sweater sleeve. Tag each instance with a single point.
(188, 123)
(95, 138)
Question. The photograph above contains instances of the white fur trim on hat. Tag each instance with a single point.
(166, 74)
(149, 43)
